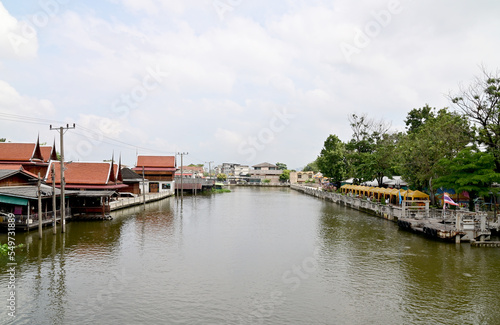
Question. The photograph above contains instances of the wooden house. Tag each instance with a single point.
(132, 180)
(33, 157)
(96, 183)
(16, 175)
(22, 202)
(159, 173)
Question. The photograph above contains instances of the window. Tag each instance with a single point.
(299, 175)
(165, 186)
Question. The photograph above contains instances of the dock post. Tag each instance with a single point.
(54, 203)
(457, 225)
(28, 217)
(483, 226)
(143, 189)
(40, 212)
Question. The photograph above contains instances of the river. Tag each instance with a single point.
(252, 256)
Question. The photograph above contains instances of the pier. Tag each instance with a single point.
(30, 222)
(419, 218)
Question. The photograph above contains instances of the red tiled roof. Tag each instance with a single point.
(156, 161)
(11, 166)
(148, 169)
(16, 151)
(46, 152)
(82, 173)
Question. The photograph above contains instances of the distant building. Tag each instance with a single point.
(233, 169)
(190, 172)
(241, 170)
(265, 171)
(301, 177)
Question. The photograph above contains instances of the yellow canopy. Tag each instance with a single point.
(418, 195)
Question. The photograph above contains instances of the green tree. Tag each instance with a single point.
(311, 167)
(418, 116)
(221, 177)
(360, 149)
(472, 171)
(382, 161)
(281, 166)
(285, 175)
(442, 136)
(480, 103)
(3, 139)
(331, 161)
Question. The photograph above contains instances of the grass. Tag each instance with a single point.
(221, 190)
(4, 249)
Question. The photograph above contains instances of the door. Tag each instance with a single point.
(154, 188)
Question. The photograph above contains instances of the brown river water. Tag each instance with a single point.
(252, 256)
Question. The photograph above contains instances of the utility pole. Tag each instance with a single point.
(61, 131)
(143, 188)
(182, 173)
(54, 203)
(40, 212)
(209, 169)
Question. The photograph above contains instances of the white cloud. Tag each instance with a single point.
(220, 81)
(18, 39)
(157, 7)
(37, 115)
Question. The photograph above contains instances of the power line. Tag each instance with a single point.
(41, 121)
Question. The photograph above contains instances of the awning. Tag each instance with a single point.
(13, 200)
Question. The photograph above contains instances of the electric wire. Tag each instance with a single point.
(41, 121)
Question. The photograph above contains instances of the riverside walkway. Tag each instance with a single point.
(122, 203)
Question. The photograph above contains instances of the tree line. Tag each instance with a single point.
(452, 148)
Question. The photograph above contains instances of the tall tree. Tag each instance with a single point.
(480, 102)
(360, 149)
(418, 116)
(331, 161)
(382, 161)
(442, 136)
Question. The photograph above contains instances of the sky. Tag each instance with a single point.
(230, 80)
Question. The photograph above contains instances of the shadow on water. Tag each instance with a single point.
(44, 267)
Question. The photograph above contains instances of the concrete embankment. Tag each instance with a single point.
(263, 184)
(374, 208)
(132, 201)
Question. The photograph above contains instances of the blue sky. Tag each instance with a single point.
(230, 80)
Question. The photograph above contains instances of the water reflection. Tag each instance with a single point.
(270, 256)
(408, 278)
